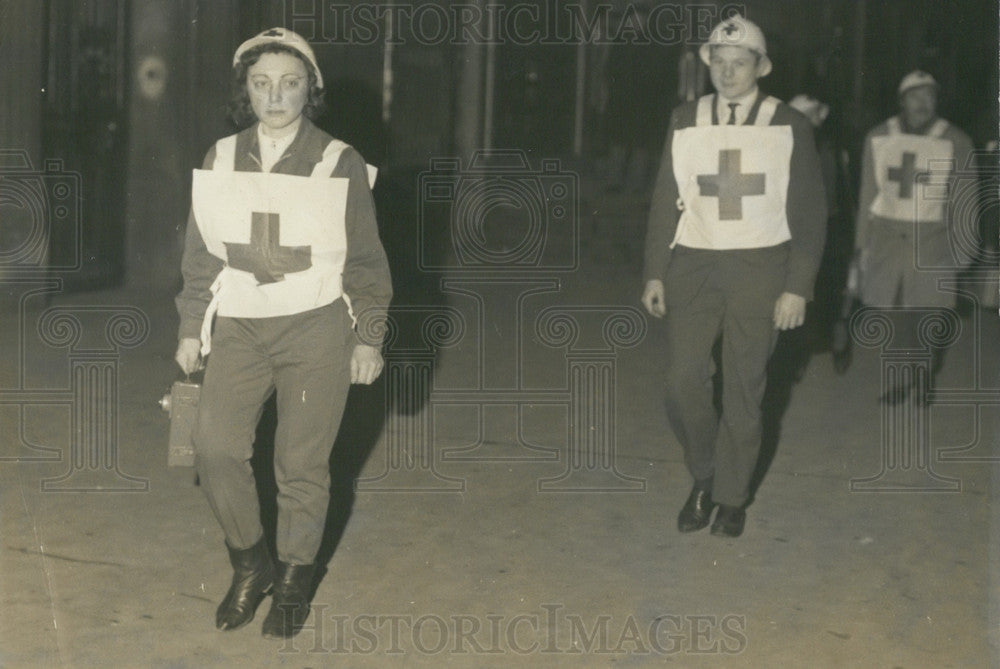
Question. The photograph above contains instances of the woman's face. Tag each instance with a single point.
(278, 86)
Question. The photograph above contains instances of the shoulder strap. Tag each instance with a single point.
(331, 156)
(765, 112)
(938, 129)
(703, 115)
(225, 154)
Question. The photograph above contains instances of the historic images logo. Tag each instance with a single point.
(514, 23)
(549, 631)
(39, 209)
(501, 233)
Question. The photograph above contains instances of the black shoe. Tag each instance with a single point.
(729, 521)
(253, 576)
(697, 510)
(290, 605)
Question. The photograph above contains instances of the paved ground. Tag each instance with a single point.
(518, 506)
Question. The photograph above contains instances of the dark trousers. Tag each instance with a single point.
(305, 358)
(732, 294)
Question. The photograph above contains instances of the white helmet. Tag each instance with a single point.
(737, 31)
(288, 38)
(916, 79)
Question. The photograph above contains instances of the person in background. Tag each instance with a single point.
(823, 312)
(911, 232)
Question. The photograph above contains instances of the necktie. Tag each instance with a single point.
(732, 113)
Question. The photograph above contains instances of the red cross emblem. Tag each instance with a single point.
(264, 256)
(730, 185)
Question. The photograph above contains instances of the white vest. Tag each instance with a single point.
(911, 173)
(283, 238)
(732, 180)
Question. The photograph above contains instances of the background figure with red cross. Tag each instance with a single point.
(286, 284)
(911, 234)
(735, 236)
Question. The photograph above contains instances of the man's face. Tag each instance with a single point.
(279, 88)
(734, 70)
(919, 106)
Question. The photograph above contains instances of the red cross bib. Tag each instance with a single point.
(283, 237)
(911, 173)
(733, 181)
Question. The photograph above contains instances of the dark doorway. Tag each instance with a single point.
(84, 123)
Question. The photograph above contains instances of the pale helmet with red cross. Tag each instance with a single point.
(737, 31)
(287, 38)
(917, 79)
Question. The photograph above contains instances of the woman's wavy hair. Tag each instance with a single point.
(240, 109)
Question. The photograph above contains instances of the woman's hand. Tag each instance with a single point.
(366, 364)
(188, 355)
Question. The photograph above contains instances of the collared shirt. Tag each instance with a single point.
(271, 149)
(742, 110)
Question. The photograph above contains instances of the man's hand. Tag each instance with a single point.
(789, 311)
(366, 364)
(188, 355)
(652, 298)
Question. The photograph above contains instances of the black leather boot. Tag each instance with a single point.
(253, 576)
(290, 605)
